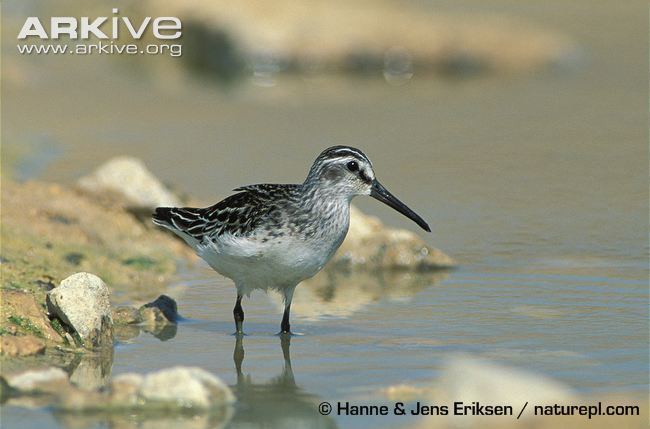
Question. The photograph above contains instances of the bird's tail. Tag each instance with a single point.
(185, 222)
(163, 217)
(184, 219)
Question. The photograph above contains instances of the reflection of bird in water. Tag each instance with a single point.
(340, 293)
(273, 236)
(280, 403)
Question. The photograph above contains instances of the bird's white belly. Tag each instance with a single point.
(277, 263)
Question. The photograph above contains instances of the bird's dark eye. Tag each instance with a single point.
(353, 166)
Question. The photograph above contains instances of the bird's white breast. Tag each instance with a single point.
(279, 263)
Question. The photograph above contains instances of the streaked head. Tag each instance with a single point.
(344, 170)
(347, 172)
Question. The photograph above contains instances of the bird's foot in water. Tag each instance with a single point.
(289, 334)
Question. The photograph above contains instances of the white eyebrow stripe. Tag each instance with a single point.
(349, 152)
(340, 159)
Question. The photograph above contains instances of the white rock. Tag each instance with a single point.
(130, 178)
(32, 380)
(125, 388)
(82, 302)
(129, 378)
(469, 379)
(186, 386)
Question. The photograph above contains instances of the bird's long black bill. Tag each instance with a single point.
(380, 193)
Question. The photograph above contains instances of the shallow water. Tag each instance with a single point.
(576, 328)
(537, 185)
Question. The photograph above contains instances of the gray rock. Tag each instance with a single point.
(130, 178)
(126, 315)
(162, 310)
(82, 303)
(184, 387)
(159, 317)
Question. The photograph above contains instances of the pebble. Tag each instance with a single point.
(82, 303)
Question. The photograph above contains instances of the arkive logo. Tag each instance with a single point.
(162, 28)
(109, 35)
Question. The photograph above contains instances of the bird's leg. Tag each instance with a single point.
(238, 312)
(285, 327)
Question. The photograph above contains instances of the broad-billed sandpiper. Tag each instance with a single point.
(277, 235)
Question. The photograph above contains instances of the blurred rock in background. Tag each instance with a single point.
(226, 39)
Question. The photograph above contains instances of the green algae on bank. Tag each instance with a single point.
(44, 224)
(50, 232)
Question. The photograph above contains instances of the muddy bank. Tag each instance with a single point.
(50, 232)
